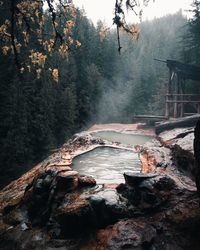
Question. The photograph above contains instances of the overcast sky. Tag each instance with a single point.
(103, 9)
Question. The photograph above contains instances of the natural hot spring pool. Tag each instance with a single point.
(132, 139)
(106, 164)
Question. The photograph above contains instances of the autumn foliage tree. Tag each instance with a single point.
(27, 19)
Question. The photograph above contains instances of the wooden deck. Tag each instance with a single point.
(156, 117)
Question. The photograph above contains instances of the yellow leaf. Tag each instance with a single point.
(5, 50)
(78, 44)
(55, 74)
(69, 24)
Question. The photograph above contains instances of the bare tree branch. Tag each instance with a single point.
(13, 8)
(53, 17)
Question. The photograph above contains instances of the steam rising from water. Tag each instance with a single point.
(114, 102)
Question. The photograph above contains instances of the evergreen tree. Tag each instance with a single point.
(191, 39)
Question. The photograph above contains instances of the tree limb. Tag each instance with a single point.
(12, 33)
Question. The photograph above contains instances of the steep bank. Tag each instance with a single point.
(53, 207)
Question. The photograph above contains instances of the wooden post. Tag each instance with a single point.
(167, 104)
(181, 96)
(175, 99)
(182, 108)
(175, 106)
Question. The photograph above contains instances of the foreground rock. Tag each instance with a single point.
(54, 207)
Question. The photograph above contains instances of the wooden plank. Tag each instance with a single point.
(150, 116)
(183, 95)
(182, 101)
(187, 114)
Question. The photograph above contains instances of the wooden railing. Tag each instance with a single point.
(178, 101)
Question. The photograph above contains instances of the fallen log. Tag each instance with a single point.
(189, 121)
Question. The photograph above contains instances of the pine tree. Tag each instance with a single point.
(192, 37)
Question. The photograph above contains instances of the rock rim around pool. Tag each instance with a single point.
(135, 179)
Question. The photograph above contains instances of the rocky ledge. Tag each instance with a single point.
(54, 207)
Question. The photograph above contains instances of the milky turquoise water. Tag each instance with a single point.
(131, 139)
(106, 164)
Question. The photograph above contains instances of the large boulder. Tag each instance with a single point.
(108, 207)
(125, 234)
(146, 191)
(75, 218)
(67, 181)
(135, 179)
(86, 181)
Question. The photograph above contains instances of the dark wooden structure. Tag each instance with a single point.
(176, 98)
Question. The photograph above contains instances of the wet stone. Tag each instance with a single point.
(67, 181)
(38, 185)
(47, 181)
(134, 179)
(96, 201)
(159, 183)
(15, 217)
(107, 207)
(150, 199)
(110, 197)
(37, 196)
(164, 183)
(75, 218)
(129, 235)
(85, 181)
(148, 193)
